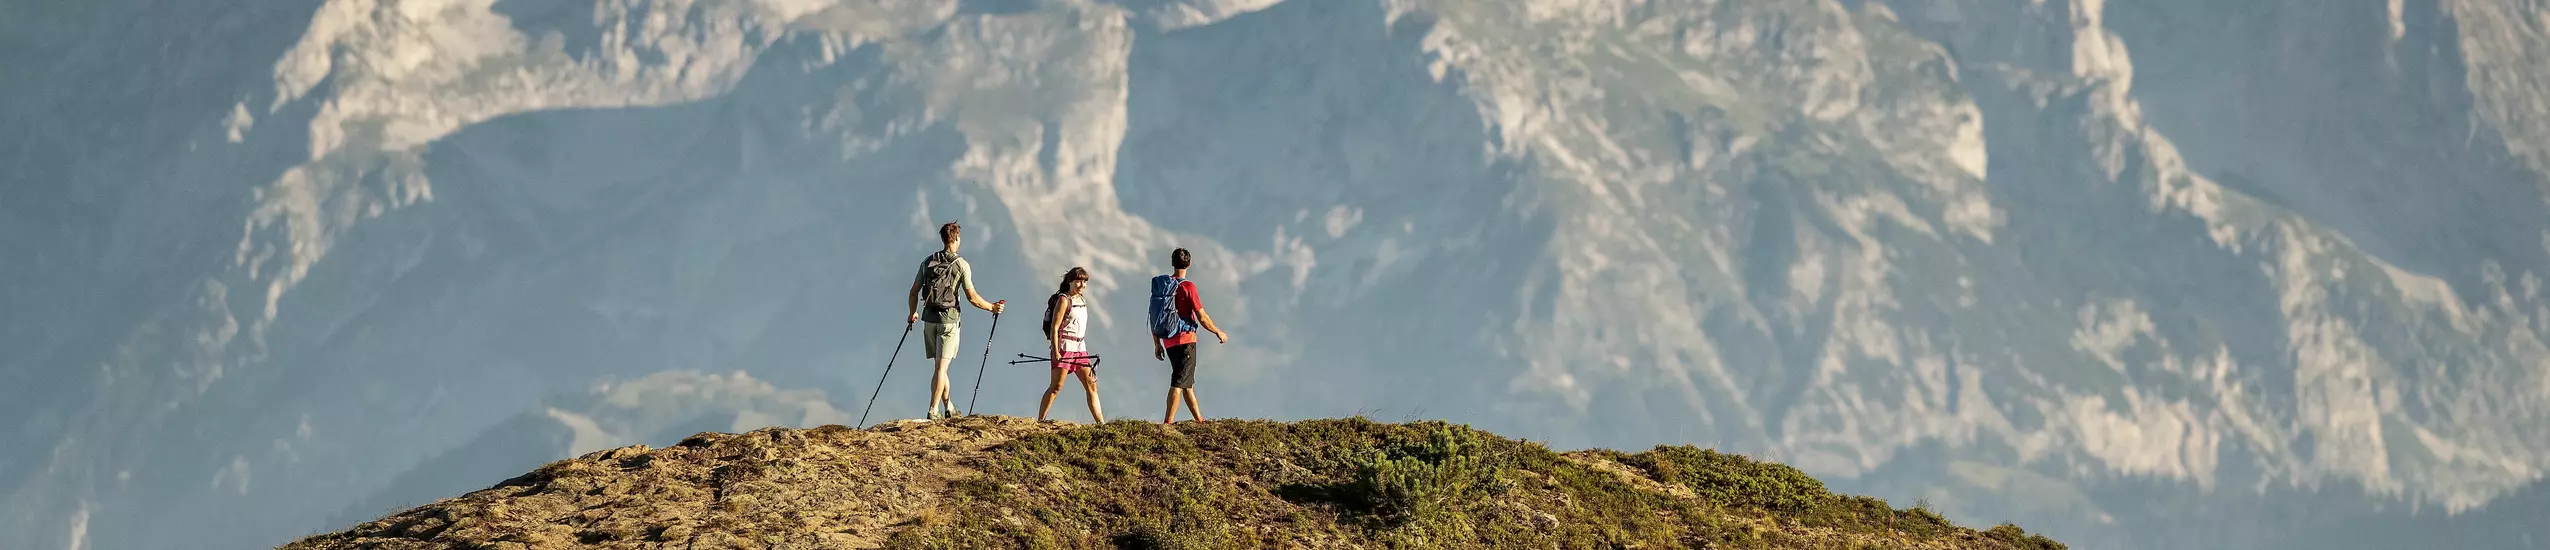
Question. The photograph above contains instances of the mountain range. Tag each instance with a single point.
(2133, 273)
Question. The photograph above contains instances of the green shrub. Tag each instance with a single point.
(1920, 519)
(2020, 538)
(1732, 480)
(1182, 512)
(1422, 482)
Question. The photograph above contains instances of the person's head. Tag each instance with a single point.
(1180, 259)
(1073, 281)
(948, 235)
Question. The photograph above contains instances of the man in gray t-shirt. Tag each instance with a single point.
(936, 306)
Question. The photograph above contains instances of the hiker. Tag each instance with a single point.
(1066, 331)
(1175, 314)
(942, 276)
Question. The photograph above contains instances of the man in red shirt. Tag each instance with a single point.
(1179, 349)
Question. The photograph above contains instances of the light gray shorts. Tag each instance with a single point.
(938, 340)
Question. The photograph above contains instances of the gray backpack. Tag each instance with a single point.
(941, 291)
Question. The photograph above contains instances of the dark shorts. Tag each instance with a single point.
(1182, 366)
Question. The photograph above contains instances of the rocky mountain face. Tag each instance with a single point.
(2143, 273)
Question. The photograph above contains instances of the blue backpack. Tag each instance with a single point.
(1165, 321)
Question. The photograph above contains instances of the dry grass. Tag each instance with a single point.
(998, 482)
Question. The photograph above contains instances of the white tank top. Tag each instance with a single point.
(1075, 325)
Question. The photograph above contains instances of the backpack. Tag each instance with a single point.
(941, 290)
(1166, 323)
(1051, 305)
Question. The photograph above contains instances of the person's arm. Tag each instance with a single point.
(1157, 351)
(912, 303)
(1195, 302)
(1207, 319)
(1055, 341)
(970, 295)
(979, 302)
(1062, 306)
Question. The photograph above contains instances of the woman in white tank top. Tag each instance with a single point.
(1070, 328)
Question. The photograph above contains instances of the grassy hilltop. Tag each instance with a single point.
(1000, 482)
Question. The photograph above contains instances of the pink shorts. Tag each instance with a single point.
(1071, 361)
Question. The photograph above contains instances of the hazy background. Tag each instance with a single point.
(2134, 273)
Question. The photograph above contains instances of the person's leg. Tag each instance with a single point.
(1088, 385)
(1182, 379)
(934, 345)
(1181, 376)
(1188, 388)
(938, 385)
(1052, 389)
(940, 389)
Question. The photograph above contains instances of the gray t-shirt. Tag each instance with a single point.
(964, 288)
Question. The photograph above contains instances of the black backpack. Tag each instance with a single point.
(1053, 307)
(940, 292)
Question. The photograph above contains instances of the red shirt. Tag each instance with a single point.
(1190, 307)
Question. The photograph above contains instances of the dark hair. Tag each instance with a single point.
(1076, 274)
(1179, 259)
(948, 231)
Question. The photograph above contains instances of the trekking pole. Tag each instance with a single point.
(889, 369)
(987, 358)
(1025, 359)
(1092, 365)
